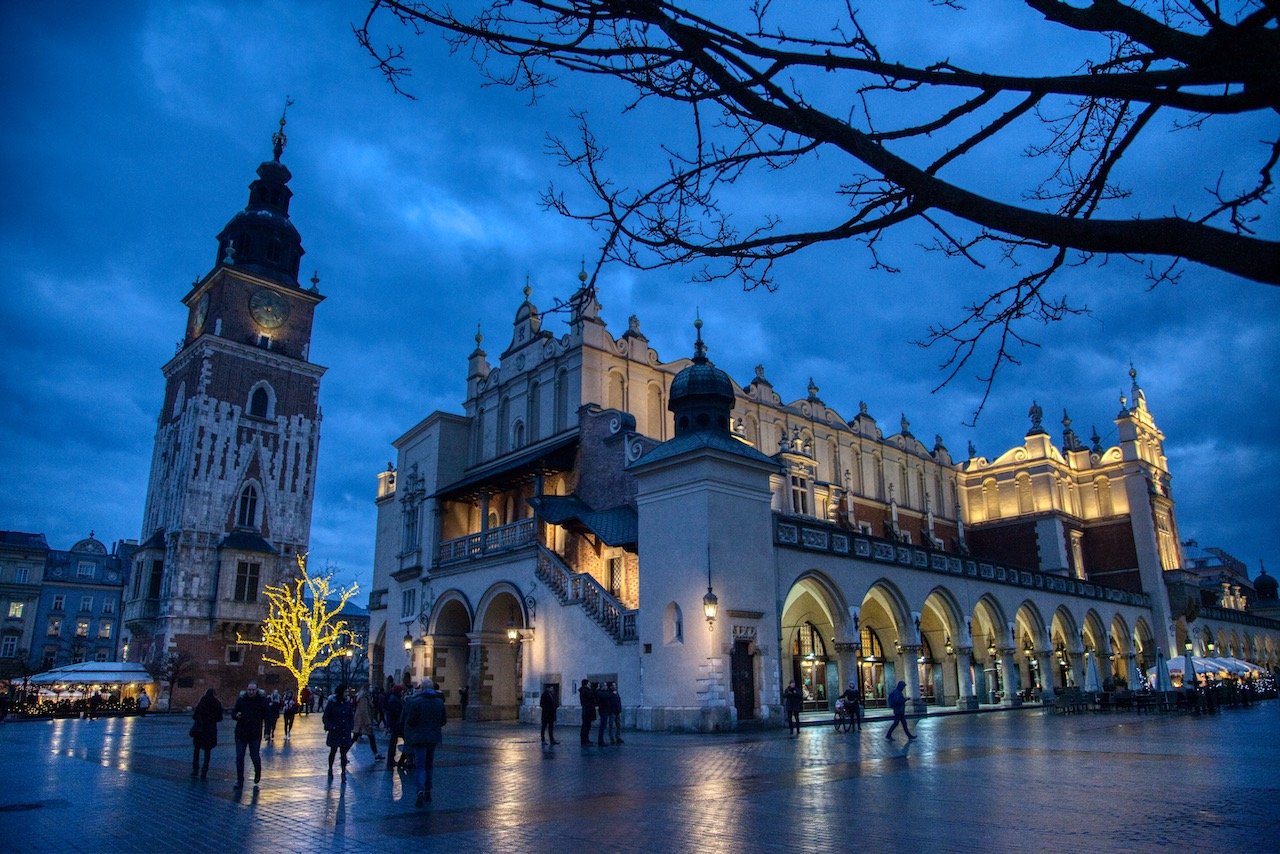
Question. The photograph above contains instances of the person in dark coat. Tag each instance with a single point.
(421, 721)
(853, 704)
(549, 702)
(289, 712)
(393, 708)
(339, 721)
(615, 715)
(204, 732)
(249, 713)
(791, 700)
(275, 705)
(587, 698)
(898, 702)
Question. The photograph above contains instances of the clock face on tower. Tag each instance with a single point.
(268, 308)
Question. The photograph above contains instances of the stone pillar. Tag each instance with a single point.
(1045, 659)
(911, 675)
(847, 657)
(1008, 673)
(1076, 668)
(964, 679)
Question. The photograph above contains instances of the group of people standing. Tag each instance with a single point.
(603, 703)
(348, 717)
(793, 699)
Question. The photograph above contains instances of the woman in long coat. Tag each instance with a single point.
(339, 720)
(364, 723)
(204, 732)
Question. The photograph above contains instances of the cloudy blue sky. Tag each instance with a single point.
(132, 131)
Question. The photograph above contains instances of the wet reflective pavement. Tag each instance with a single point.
(995, 781)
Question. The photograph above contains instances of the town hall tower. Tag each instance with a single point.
(233, 470)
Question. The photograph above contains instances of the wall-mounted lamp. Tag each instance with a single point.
(513, 634)
(408, 642)
(951, 650)
(710, 606)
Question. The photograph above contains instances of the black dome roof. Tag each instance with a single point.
(1265, 586)
(701, 395)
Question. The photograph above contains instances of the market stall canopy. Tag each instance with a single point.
(95, 673)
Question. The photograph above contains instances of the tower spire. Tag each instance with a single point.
(278, 139)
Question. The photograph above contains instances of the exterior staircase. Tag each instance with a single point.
(581, 588)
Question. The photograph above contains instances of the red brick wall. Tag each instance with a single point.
(1014, 545)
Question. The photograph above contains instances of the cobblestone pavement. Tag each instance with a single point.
(1001, 781)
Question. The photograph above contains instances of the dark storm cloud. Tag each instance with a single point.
(133, 131)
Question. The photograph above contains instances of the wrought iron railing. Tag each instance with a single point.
(581, 588)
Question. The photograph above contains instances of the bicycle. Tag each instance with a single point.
(843, 720)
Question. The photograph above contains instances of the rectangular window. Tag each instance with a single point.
(84, 569)
(799, 496)
(8, 646)
(234, 655)
(46, 660)
(108, 606)
(615, 577)
(82, 628)
(137, 579)
(59, 602)
(101, 656)
(55, 627)
(104, 630)
(408, 603)
(21, 574)
(15, 609)
(157, 576)
(86, 604)
(247, 581)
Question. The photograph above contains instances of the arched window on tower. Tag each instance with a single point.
(258, 403)
(247, 515)
(262, 401)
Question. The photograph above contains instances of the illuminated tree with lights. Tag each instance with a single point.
(304, 629)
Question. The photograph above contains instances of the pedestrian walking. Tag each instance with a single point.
(549, 702)
(339, 721)
(791, 701)
(305, 699)
(250, 715)
(394, 708)
(289, 712)
(364, 723)
(464, 694)
(204, 732)
(421, 721)
(144, 702)
(275, 705)
(587, 698)
(898, 702)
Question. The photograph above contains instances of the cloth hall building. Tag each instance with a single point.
(596, 512)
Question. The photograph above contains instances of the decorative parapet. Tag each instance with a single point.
(1244, 618)
(816, 536)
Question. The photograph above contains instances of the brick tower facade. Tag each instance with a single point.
(233, 470)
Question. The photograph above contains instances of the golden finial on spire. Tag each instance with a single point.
(278, 139)
(479, 337)
(528, 288)
(582, 271)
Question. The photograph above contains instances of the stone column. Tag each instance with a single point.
(911, 675)
(964, 678)
(1045, 658)
(1009, 676)
(1076, 661)
(847, 656)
